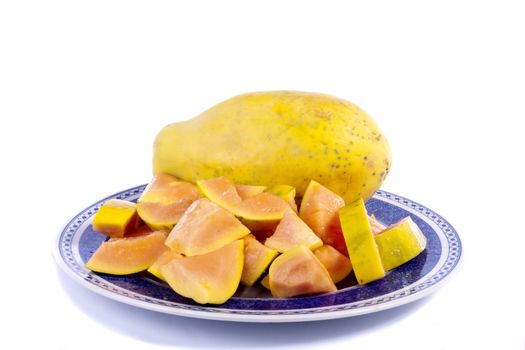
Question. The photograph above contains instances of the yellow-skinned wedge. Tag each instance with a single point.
(400, 243)
(116, 218)
(362, 248)
(257, 258)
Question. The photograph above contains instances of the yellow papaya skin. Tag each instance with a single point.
(279, 137)
(116, 218)
(400, 243)
(362, 248)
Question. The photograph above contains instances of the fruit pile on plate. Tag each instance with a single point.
(206, 239)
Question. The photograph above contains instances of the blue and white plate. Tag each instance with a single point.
(409, 282)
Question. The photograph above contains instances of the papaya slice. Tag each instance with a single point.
(116, 218)
(123, 256)
(285, 192)
(360, 242)
(299, 272)
(319, 210)
(164, 200)
(337, 265)
(205, 227)
(400, 243)
(260, 207)
(209, 278)
(163, 259)
(245, 191)
(257, 258)
(291, 232)
(221, 191)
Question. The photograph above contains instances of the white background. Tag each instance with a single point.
(85, 87)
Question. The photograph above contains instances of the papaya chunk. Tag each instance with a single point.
(290, 232)
(164, 200)
(319, 209)
(257, 258)
(400, 243)
(360, 242)
(116, 218)
(337, 265)
(263, 206)
(205, 227)
(208, 278)
(221, 191)
(123, 256)
(299, 272)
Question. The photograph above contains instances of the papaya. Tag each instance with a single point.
(164, 200)
(208, 278)
(362, 248)
(299, 272)
(291, 232)
(263, 207)
(337, 265)
(116, 218)
(221, 191)
(123, 256)
(257, 258)
(319, 210)
(260, 207)
(279, 137)
(205, 227)
(400, 243)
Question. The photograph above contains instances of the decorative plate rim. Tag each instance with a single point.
(67, 258)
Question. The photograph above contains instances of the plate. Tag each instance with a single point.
(409, 282)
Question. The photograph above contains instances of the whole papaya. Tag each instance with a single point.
(275, 138)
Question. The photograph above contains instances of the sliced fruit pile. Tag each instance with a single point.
(206, 239)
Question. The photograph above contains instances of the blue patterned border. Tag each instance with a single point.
(69, 259)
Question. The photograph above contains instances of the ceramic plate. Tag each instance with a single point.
(409, 282)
